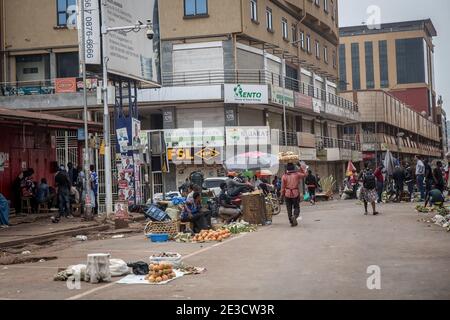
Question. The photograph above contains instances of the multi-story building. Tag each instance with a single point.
(397, 58)
(284, 50)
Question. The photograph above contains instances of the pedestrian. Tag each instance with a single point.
(94, 187)
(369, 190)
(399, 181)
(63, 185)
(43, 193)
(4, 212)
(290, 191)
(409, 178)
(380, 182)
(438, 177)
(73, 173)
(311, 185)
(429, 178)
(420, 175)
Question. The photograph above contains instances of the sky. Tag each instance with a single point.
(354, 12)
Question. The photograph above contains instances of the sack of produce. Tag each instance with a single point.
(118, 268)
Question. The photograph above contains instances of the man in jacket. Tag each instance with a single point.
(409, 178)
(399, 179)
(291, 193)
(420, 174)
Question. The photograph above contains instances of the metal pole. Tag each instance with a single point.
(283, 84)
(87, 185)
(106, 121)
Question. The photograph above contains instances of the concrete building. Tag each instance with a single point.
(397, 58)
(389, 124)
(285, 49)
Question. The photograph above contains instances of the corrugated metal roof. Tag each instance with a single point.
(12, 114)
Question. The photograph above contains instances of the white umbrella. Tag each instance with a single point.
(389, 163)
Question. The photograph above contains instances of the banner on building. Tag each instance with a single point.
(91, 31)
(65, 85)
(246, 94)
(194, 138)
(205, 155)
(282, 96)
(318, 105)
(303, 101)
(243, 136)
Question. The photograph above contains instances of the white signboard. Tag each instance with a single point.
(132, 54)
(242, 136)
(194, 138)
(283, 96)
(317, 105)
(91, 31)
(246, 94)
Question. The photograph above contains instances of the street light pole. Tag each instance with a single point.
(106, 119)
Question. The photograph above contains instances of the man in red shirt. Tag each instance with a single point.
(290, 191)
(380, 182)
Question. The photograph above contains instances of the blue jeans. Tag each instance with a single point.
(411, 189)
(380, 187)
(64, 202)
(420, 180)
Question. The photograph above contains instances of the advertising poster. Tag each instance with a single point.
(122, 138)
(4, 161)
(136, 132)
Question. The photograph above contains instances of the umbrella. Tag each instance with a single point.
(350, 168)
(389, 163)
(252, 161)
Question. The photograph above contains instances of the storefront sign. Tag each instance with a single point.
(346, 154)
(194, 138)
(308, 154)
(246, 94)
(190, 155)
(80, 134)
(91, 31)
(65, 85)
(303, 101)
(243, 136)
(322, 155)
(283, 96)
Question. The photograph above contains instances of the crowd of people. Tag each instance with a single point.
(68, 190)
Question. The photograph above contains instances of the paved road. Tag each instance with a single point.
(326, 258)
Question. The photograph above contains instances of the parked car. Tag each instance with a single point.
(213, 184)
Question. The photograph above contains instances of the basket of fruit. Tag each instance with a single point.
(169, 227)
(288, 157)
(171, 258)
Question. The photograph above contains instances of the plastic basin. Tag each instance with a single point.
(164, 237)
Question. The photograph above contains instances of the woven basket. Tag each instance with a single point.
(169, 227)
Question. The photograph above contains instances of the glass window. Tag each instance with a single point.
(370, 79)
(67, 65)
(325, 54)
(254, 9)
(384, 70)
(308, 43)
(342, 68)
(302, 40)
(284, 27)
(294, 35)
(195, 7)
(410, 60)
(33, 67)
(356, 76)
(325, 5)
(269, 19)
(317, 49)
(62, 6)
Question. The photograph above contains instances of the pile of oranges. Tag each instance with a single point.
(160, 273)
(211, 235)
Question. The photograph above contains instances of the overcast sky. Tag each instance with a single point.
(353, 12)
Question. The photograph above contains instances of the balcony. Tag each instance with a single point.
(332, 149)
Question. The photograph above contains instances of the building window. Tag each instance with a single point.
(356, 76)
(294, 35)
(254, 10)
(302, 40)
(194, 8)
(384, 66)
(284, 27)
(33, 67)
(317, 2)
(334, 59)
(370, 78)
(410, 61)
(67, 65)
(317, 49)
(325, 6)
(308, 43)
(325, 54)
(269, 20)
(62, 6)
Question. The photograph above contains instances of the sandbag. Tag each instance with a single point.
(118, 268)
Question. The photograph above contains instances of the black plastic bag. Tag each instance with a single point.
(140, 268)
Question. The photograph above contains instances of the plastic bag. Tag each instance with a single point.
(118, 268)
(140, 268)
(307, 197)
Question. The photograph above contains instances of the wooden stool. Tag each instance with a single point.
(43, 208)
(26, 205)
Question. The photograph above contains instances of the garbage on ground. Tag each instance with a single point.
(78, 270)
(26, 252)
(139, 268)
(81, 238)
(442, 217)
(42, 260)
(188, 270)
(119, 236)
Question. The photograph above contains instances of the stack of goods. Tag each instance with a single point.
(172, 258)
(160, 273)
(288, 157)
(211, 235)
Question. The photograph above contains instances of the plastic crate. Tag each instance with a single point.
(157, 214)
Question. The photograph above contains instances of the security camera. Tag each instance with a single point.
(150, 34)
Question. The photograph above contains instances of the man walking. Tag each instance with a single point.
(369, 191)
(291, 193)
(63, 185)
(420, 174)
(94, 188)
(380, 182)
